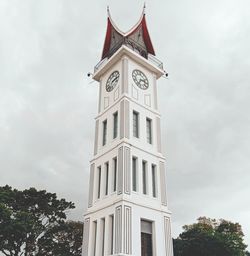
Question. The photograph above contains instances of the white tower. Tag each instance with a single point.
(127, 210)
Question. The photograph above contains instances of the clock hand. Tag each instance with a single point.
(141, 80)
(114, 80)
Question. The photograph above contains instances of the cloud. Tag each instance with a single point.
(47, 106)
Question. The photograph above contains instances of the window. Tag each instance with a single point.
(136, 124)
(115, 125)
(99, 182)
(144, 177)
(146, 238)
(114, 173)
(107, 178)
(134, 173)
(111, 218)
(154, 180)
(104, 133)
(149, 130)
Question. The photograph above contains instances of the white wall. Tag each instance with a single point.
(142, 206)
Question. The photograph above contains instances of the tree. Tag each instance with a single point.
(28, 217)
(210, 237)
(62, 240)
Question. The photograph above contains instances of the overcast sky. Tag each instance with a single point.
(47, 105)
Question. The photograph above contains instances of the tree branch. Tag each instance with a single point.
(5, 253)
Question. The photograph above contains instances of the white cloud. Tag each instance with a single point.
(47, 106)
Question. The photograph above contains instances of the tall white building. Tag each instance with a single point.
(127, 209)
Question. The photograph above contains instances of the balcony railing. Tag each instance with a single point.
(133, 46)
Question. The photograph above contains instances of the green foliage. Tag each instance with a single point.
(210, 237)
(62, 240)
(30, 219)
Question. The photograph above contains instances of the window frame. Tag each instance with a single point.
(106, 178)
(136, 124)
(99, 173)
(115, 165)
(149, 129)
(154, 180)
(135, 174)
(115, 125)
(104, 132)
(150, 232)
(144, 177)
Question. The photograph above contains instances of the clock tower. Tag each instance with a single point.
(127, 207)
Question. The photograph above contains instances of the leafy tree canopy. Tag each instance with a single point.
(210, 237)
(31, 219)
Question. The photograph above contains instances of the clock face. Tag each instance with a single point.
(140, 79)
(112, 81)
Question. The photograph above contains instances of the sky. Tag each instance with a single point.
(48, 104)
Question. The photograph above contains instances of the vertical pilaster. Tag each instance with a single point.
(96, 136)
(158, 130)
(118, 229)
(91, 184)
(123, 230)
(127, 230)
(100, 97)
(155, 93)
(127, 171)
(124, 75)
(168, 238)
(124, 119)
(85, 244)
(120, 171)
(99, 239)
(163, 183)
(124, 170)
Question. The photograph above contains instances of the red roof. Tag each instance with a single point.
(140, 25)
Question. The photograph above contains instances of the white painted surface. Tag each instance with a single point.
(133, 206)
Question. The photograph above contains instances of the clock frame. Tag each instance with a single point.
(112, 81)
(140, 79)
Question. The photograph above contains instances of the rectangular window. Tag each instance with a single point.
(146, 238)
(94, 236)
(104, 132)
(149, 130)
(134, 173)
(115, 173)
(111, 234)
(103, 236)
(115, 124)
(144, 177)
(99, 182)
(136, 124)
(107, 178)
(154, 181)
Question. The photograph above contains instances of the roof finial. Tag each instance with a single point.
(144, 8)
(108, 12)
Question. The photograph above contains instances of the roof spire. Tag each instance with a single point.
(144, 8)
(108, 12)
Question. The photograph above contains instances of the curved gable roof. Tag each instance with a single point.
(112, 28)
